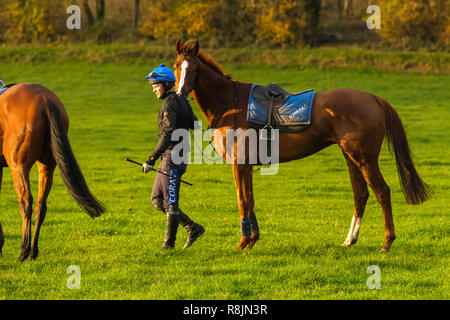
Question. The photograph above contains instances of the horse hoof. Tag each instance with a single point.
(244, 242)
(252, 241)
(250, 245)
(346, 245)
(349, 243)
(22, 257)
(388, 243)
(24, 254)
(241, 246)
(34, 254)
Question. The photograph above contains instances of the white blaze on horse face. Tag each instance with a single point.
(353, 233)
(184, 67)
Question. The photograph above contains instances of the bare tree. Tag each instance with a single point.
(136, 13)
(100, 9)
(87, 10)
(339, 4)
(312, 19)
(348, 7)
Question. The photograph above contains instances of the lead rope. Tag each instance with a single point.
(235, 84)
(210, 143)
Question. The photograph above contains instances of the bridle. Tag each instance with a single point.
(216, 119)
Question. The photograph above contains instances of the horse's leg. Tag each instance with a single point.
(372, 175)
(242, 178)
(22, 186)
(2, 237)
(382, 192)
(253, 221)
(360, 196)
(45, 184)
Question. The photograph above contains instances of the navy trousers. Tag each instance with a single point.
(166, 190)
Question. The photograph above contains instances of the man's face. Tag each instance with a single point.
(158, 90)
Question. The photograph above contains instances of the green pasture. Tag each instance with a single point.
(304, 211)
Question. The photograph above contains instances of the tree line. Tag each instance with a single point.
(229, 23)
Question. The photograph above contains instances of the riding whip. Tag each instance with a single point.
(140, 164)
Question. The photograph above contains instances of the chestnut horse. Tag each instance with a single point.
(33, 128)
(356, 121)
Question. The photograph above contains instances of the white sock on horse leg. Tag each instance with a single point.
(353, 233)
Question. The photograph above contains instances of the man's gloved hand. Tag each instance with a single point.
(148, 165)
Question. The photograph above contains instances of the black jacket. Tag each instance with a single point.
(175, 113)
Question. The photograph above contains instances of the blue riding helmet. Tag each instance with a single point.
(161, 74)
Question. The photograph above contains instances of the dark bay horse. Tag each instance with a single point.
(33, 128)
(356, 121)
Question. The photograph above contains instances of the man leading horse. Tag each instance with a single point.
(175, 113)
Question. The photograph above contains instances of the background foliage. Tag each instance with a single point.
(406, 24)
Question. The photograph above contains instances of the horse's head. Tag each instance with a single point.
(186, 66)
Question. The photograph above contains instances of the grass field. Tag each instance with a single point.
(304, 211)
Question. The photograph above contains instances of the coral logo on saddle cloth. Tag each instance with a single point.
(172, 187)
(289, 112)
(2, 90)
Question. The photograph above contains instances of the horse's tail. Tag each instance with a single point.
(413, 187)
(68, 166)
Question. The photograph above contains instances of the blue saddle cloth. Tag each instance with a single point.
(292, 116)
(2, 90)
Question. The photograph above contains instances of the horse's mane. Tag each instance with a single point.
(206, 58)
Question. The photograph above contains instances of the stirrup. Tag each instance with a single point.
(266, 129)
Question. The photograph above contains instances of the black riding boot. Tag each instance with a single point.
(194, 230)
(173, 219)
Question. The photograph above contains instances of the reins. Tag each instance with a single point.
(214, 122)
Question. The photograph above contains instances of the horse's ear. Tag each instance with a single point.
(178, 47)
(196, 47)
(191, 47)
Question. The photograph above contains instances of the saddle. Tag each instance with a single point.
(272, 107)
(273, 92)
(5, 87)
